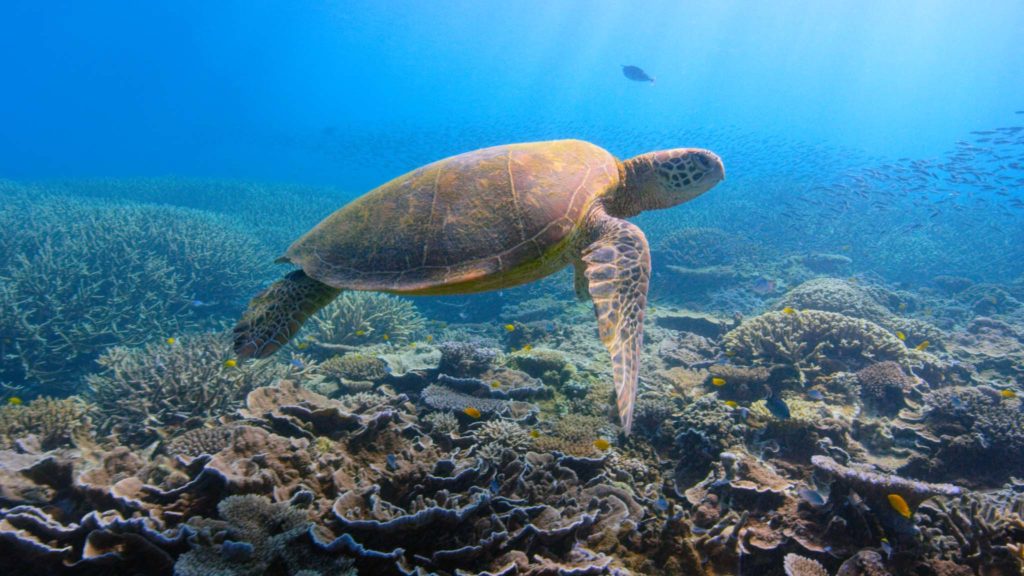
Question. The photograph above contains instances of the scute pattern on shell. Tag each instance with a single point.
(465, 219)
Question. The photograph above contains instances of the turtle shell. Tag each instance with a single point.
(485, 219)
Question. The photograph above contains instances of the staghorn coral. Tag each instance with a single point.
(142, 390)
(504, 433)
(442, 423)
(54, 422)
(813, 342)
(358, 318)
(976, 530)
(256, 536)
(73, 280)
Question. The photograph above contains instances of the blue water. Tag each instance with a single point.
(247, 90)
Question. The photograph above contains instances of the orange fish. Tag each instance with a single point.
(472, 412)
(899, 505)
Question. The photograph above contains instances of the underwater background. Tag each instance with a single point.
(834, 341)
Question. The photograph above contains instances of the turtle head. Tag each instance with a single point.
(665, 178)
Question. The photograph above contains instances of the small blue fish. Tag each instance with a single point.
(763, 286)
(661, 503)
(887, 548)
(812, 497)
(777, 406)
(297, 364)
(392, 462)
(815, 394)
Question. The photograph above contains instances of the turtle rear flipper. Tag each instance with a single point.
(277, 313)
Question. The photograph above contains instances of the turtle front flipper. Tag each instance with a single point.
(277, 313)
(618, 270)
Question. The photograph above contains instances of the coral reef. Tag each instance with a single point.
(53, 422)
(142, 391)
(357, 318)
(883, 386)
(73, 281)
(813, 342)
(256, 536)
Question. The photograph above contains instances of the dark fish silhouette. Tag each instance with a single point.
(636, 74)
(777, 406)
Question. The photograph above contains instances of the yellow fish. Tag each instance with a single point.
(902, 306)
(230, 363)
(302, 345)
(901, 335)
(534, 434)
(526, 348)
(922, 346)
(732, 404)
(14, 401)
(899, 505)
(602, 444)
(510, 327)
(170, 340)
(471, 412)
(788, 310)
(718, 381)
(386, 337)
(429, 338)
(1008, 393)
(496, 384)
(360, 332)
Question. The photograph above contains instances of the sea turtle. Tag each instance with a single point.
(490, 219)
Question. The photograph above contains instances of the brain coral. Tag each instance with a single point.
(78, 276)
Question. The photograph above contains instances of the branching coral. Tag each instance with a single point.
(254, 537)
(54, 422)
(976, 530)
(143, 389)
(358, 318)
(78, 276)
(813, 341)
